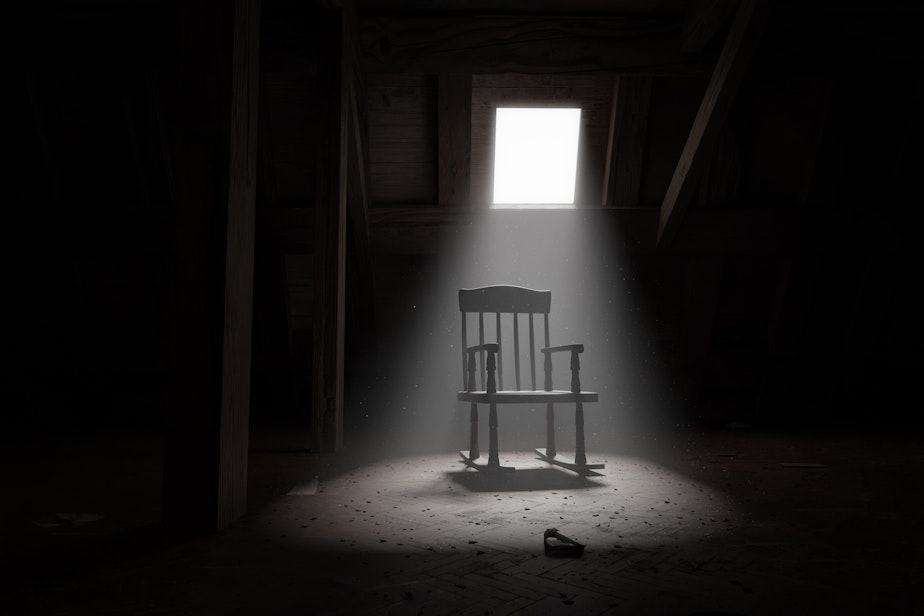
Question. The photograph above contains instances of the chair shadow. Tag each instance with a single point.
(521, 480)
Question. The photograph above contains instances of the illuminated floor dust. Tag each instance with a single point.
(437, 503)
(690, 523)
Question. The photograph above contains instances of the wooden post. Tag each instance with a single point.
(473, 452)
(547, 368)
(330, 234)
(575, 372)
(359, 177)
(212, 108)
(491, 386)
(580, 455)
(550, 430)
(493, 458)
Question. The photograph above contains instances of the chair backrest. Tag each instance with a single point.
(498, 300)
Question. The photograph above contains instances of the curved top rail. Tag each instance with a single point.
(505, 298)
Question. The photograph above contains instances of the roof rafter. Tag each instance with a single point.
(726, 78)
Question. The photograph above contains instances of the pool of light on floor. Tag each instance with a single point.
(437, 503)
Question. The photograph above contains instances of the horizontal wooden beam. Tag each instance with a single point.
(781, 230)
(524, 44)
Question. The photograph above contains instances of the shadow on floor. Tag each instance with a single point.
(522, 480)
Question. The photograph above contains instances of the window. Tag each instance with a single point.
(535, 157)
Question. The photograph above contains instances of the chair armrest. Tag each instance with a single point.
(575, 365)
(491, 348)
(564, 347)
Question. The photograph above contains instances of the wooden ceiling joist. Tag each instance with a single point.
(523, 44)
(726, 78)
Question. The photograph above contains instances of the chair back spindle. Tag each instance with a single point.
(516, 348)
(501, 300)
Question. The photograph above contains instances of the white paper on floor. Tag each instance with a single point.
(306, 489)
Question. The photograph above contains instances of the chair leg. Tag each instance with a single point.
(493, 459)
(580, 457)
(550, 430)
(473, 439)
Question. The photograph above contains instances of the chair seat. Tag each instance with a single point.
(526, 397)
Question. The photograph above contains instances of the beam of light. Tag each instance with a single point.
(535, 156)
(595, 301)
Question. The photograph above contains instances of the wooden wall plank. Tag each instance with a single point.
(402, 129)
(454, 115)
(701, 297)
(702, 287)
(626, 148)
(726, 78)
(266, 170)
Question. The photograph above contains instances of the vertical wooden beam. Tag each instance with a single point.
(330, 233)
(726, 78)
(238, 309)
(359, 182)
(454, 138)
(212, 107)
(626, 144)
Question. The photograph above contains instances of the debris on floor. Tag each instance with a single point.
(557, 544)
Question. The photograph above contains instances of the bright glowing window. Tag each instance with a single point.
(535, 157)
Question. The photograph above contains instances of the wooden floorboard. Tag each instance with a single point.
(673, 528)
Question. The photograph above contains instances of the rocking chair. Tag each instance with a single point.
(504, 299)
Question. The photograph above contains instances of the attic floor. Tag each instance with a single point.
(729, 522)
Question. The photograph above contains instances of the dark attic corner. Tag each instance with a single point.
(273, 265)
